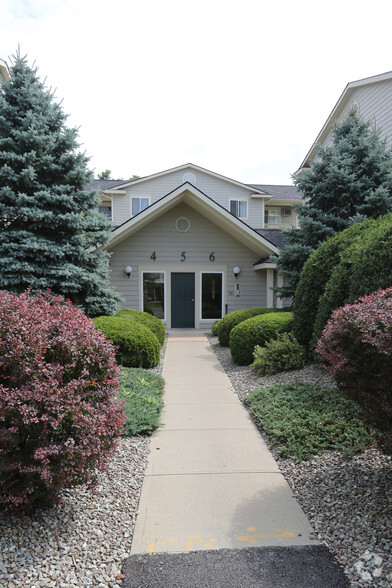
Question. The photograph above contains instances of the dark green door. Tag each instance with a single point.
(182, 301)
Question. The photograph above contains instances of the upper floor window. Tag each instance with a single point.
(272, 217)
(139, 204)
(106, 209)
(239, 208)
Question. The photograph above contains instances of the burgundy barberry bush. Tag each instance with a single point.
(356, 347)
(59, 420)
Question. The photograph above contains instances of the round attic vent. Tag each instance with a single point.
(183, 224)
(189, 177)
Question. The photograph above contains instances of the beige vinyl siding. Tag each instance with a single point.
(217, 189)
(375, 103)
(203, 238)
(120, 209)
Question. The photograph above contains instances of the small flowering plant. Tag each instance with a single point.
(59, 418)
(356, 348)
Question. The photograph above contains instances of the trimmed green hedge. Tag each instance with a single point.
(146, 319)
(363, 268)
(256, 331)
(137, 346)
(215, 327)
(231, 320)
(314, 276)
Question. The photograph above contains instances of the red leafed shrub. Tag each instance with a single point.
(356, 346)
(59, 419)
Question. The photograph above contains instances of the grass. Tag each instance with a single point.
(302, 420)
(142, 391)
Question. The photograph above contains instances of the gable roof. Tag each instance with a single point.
(204, 205)
(187, 166)
(337, 111)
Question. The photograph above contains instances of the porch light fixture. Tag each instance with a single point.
(236, 271)
(128, 271)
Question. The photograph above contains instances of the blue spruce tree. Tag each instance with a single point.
(350, 180)
(50, 231)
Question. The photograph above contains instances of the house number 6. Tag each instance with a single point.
(212, 256)
(183, 256)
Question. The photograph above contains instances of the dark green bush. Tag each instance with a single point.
(278, 355)
(142, 391)
(137, 346)
(314, 277)
(146, 319)
(231, 320)
(257, 331)
(215, 327)
(364, 267)
(305, 419)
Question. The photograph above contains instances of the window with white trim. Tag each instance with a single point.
(211, 295)
(105, 207)
(272, 217)
(154, 293)
(239, 208)
(139, 203)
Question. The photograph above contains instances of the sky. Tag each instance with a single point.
(240, 87)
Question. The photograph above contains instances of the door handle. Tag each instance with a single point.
(193, 299)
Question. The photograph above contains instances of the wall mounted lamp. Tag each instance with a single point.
(128, 271)
(236, 271)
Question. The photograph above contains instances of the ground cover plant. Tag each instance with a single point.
(226, 324)
(136, 345)
(148, 320)
(59, 418)
(278, 355)
(141, 390)
(304, 419)
(356, 348)
(257, 331)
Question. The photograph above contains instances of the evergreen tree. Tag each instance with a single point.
(50, 231)
(350, 180)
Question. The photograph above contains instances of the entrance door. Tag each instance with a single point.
(182, 301)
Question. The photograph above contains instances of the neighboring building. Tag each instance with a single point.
(4, 73)
(199, 244)
(373, 99)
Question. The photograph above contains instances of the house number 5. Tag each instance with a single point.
(183, 256)
(212, 256)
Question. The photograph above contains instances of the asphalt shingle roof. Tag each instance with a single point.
(279, 192)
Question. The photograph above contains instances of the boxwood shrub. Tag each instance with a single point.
(136, 344)
(231, 320)
(256, 331)
(146, 319)
(59, 418)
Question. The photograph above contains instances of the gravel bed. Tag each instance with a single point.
(348, 500)
(83, 540)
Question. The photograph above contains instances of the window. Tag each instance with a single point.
(239, 208)
(272, 217)
(211, 295)
(106, 209)
(154, 293)
(286, 211)
(139, 204)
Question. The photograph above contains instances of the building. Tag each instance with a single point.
(190, 245)
(372, 97)
(4, 72)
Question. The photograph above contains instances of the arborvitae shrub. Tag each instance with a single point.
(278, 355)
(257, 331)
(59, 419)
(314, 277)
(356, 348)
(364, 267)
(136, 344)
(146, 319)
(228, 322)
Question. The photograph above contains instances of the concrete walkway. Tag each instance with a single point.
(211, 482)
